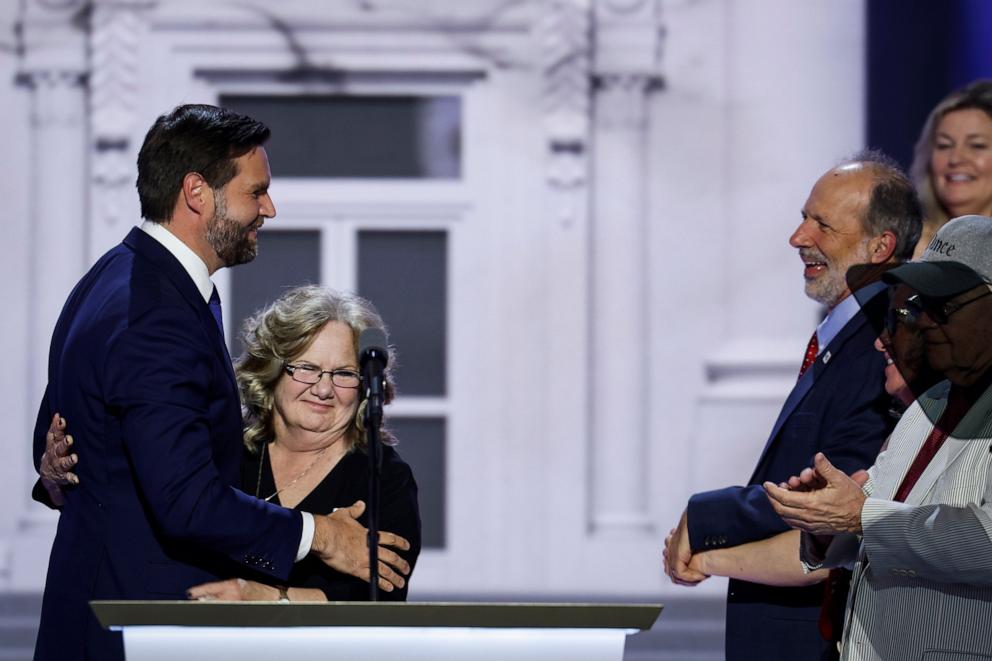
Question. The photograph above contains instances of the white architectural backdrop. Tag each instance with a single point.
(625, 314)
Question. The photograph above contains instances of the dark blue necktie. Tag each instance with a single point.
(214, 304)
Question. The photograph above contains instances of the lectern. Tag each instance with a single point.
(366, 631)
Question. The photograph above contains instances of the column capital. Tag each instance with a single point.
(54, 43)
(54, 9)
(52, 77)
(629, 35)
(55, 92)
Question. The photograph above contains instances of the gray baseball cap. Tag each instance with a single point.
(958, 258)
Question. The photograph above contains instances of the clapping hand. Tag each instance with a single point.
(821, 500)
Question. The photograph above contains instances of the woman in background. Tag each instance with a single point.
(952, 162)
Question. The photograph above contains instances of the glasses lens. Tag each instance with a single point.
(947, 308)
(304, 373)
(914, 307)
(936, 310)
(345, 379)
(908, 313)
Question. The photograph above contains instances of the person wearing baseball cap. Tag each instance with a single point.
(923, 567)
(957, 259)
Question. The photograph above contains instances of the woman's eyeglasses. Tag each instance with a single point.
(311, 374)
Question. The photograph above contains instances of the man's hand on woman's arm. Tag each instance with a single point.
(340, 541)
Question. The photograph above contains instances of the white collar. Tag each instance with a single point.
(843, 312)
(189, 260)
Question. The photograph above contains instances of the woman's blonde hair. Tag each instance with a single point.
(282, 331)
(976, 95)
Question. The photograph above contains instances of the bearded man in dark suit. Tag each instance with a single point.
(139, 365)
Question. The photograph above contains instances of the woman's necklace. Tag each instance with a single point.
(261, 462)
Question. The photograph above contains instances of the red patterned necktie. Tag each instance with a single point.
(835, 589)
(812, 349)
(957, 406)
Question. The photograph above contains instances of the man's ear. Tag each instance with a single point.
(882, 247)
(197, 194)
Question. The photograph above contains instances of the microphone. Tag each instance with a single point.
(372, 346)
(372, 360)
(373, 356)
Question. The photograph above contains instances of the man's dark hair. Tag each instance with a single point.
(893, 205)
(192, 138)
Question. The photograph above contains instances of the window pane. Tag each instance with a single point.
(406, 137)
(422, 445)
(285, 259)
(405, 275)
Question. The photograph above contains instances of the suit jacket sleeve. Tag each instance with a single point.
(850, 431)
(158, 376)
(937, 542)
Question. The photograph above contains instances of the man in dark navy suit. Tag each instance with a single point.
(863, 212)
(139, 366)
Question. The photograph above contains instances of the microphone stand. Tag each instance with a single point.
(373, 421)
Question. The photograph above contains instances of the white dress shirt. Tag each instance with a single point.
(843, 312)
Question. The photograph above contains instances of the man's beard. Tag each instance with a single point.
(229, 239)
(832, 286)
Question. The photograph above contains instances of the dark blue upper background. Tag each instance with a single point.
(917, 52)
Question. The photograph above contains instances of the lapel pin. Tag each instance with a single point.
(826, 357)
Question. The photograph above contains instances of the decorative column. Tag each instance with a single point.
(627, 44)
(564, 38)
(58, 218)
(54, 69)
(117, 28)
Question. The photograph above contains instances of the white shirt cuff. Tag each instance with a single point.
(306, 541)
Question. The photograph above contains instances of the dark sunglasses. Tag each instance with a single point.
(940, 311)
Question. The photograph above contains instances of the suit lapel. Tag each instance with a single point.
(975, 425)
(174, 272)
(805, 384)
(798, 393)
